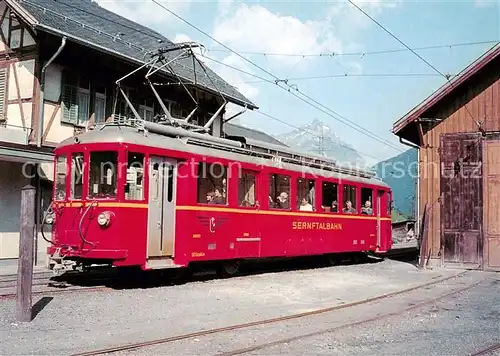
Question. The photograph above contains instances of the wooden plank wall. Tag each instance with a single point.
(483, 102)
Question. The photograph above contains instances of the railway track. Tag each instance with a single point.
(489, 350)
(74, 281)
(171, 339)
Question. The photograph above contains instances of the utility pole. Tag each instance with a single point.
(25, 261)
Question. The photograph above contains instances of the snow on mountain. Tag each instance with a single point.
(319, 138)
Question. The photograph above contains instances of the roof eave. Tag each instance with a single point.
(446, 89)
(57, 32)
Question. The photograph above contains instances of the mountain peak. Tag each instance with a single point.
(318, 138)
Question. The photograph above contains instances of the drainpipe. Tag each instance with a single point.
(42, 88)
(39, 136)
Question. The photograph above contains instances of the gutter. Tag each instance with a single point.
(42, 88)
(408, 143)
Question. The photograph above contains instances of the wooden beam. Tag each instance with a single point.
(18, 89)
(49, 125)
(25, 261)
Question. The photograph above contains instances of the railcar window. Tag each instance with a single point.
(134, 189)
(170, 183)
(367, 201)
(330, 197)
(349, 200)
(389, 204)
(212, 183)
(103, 168)
(77, 176)
(305, 195)
(246, 189)
(279, 191)
(61, 177)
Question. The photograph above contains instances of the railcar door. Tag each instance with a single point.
(161, 219)
(380, 195)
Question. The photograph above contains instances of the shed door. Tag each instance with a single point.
(461, 204)
(492, 204)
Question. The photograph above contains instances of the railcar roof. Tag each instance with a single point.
(131, 135)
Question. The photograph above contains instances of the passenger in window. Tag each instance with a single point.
(305, 206)
(218, 198)
(210, 197)
(367, 209)
(348, 208)
(282, 201)
(334, 206)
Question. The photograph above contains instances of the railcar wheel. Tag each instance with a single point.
(332, 259)
(229, 268)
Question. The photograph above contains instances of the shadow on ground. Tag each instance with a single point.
(133, 278)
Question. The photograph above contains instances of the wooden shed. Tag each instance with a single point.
(457, 133)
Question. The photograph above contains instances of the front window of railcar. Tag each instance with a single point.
(134, 190)
(103, 175)
(60, 192)
(76, 176)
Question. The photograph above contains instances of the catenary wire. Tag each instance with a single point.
(161, 38)
(315, 135)
(338, 54)
(372, 75)
(300, 98)
(416, 54)
(326, 110)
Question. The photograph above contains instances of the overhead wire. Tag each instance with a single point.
(370, 75)
(325, 110)
(291, 92)
(356, 54)
(162, 38)
(416, 54)
(315, 135)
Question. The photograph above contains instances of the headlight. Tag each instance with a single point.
(50, 219)
(104, 218)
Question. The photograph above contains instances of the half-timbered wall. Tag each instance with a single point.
(18, 65)
(480, 102)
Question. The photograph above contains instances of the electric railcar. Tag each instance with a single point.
(156, 196)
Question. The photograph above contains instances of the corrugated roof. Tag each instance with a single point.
(237, 130)
(89, 24)
(447, 88)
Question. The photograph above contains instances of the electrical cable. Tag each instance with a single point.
(361, 129)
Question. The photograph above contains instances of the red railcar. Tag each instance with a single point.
(158, 196)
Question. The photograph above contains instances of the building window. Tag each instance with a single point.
(134, 189)
(60, 178)
(279, 191)
(305, 195)
(349, 199)
(330, 197)
(75, 99)
(212, 183)
(77, 176)
(146, 112)
(246, 189)
(100, 108)
(102, 182)
(366, 201)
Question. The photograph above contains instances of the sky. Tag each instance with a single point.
(371, 91)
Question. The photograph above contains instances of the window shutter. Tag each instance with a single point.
(83, 107)
(3, 88)
(69, 100)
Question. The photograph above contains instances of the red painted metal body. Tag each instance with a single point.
(208, 232)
